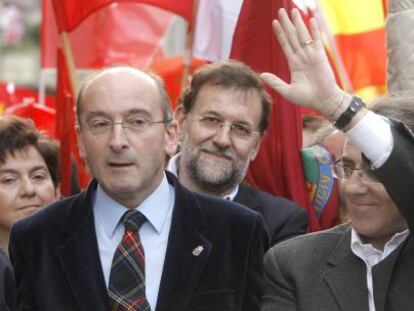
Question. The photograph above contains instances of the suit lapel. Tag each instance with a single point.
(345, 275)
(394, 271)
(381, 278)
(79, 256)
(187, 252)
(246, 197)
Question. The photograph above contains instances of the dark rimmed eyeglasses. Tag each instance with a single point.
(101, 126)
(344, 171)
(238, 131)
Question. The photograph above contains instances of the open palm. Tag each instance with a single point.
(312, 78)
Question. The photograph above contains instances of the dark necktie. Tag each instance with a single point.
(127, 280)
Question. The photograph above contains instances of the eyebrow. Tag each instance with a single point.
(15, 171)
(100, 113)
(38, 168)
(96, 114)
(238, 122)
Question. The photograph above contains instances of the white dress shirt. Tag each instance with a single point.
(157, 208)
(174, 164)
(372, 256)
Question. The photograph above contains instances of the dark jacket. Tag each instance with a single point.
(283, 218)
(7, 285)
(57, 264)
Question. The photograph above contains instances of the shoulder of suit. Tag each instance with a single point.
(311, 243)
(222, 213)
(267, 199)
(48, 218)
(3, 258)
(219, 205)
(5, 270)
(211, 204)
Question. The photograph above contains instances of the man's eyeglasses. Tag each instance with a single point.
(101, 126)
(344, 171)
(238, 131)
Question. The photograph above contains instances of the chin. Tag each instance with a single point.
(368, 232)
(126, 187)
(118, 185)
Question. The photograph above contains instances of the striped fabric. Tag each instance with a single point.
(359, 31)
(127, 280)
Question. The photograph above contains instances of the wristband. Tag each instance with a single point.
(356, 105)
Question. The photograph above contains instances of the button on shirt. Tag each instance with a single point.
(372, 256)
(157, 208)
(173, 166)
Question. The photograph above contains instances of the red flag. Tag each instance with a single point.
(42, 116)
(278, 167)
(64, 124)
(65, 130)
(171, 69)
(108, 37)
(69, 13)
(11, 94)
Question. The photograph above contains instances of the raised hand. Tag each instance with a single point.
(312, 82)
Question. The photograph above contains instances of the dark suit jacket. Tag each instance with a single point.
(319, 272)
(57, 265)
(283, 218)
(7, 285)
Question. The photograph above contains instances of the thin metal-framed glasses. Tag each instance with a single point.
(237, 130)
(102, 126)
(345, 171)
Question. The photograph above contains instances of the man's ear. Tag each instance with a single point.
(180, 115)
(58, 194)
(81, 146)
(255, 149)
(171, 138)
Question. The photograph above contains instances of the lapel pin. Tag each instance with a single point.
(198, 250)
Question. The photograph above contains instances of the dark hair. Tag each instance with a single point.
(165, 100)
(398, 106)
(49, 150)
(17, 134)
(228, 74)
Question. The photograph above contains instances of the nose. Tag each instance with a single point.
(222, 137)
(118, 139)
(27, 188)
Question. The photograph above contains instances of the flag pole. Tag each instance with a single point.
(188, 54)
(70, 63)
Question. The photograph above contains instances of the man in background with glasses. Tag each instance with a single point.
(366, 264)
(222, 118)
(136, 239)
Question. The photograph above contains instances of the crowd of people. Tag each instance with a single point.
(168, 224)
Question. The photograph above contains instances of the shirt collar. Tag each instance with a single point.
(173, 166)
(155, 208)
(232, 194)
(364, 249)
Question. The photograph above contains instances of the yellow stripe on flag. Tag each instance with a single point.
(353, 16)
(371, 92)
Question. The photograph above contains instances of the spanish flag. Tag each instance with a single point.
(358, 32)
